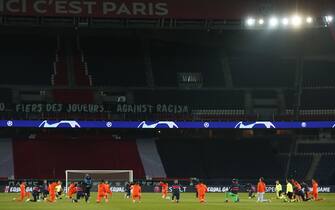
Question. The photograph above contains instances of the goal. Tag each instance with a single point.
(97, 175)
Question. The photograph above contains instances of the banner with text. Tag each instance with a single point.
(186, 9)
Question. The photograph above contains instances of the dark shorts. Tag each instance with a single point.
(175, 196)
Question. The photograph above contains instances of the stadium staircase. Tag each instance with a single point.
(312, 169)
(6, 158)
(71, 71)
(151, 160)
(82, 77)
(60, 75)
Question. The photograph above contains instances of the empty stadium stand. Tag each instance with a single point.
(114, 60)
(47, 157)
(262, 72)
(299, 166)
(319, 74)
(325, 168)
(169, 59)
(27, 59)
(316, 148)
(219, 158)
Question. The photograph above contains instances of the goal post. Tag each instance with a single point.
(97, 175)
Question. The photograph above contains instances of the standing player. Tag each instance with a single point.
(202, 190)
(261, 188)
(127, 189)
(176, 191)
(279, 190)
(23, 193)
(108, 191)
(232, 192)
(165, 186)
(87, 187)
(101, 191)
(136, 192)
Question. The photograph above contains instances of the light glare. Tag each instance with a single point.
(296, 21)
(260, 21)
(273, 22)
(285, 21)
(250, 21)
(329, 18)
(309, 19)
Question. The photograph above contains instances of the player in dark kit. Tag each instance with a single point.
(80, 192)
(87, 186)
(127, 189)
(251, 189)
(36, 193)
(176, 191)
(233, 190)
(44, 189)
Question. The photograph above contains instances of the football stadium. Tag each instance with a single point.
(170, 104)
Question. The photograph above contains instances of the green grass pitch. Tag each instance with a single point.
(153, 201)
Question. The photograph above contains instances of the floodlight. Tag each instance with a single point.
(273, 22)
(309, 20)
(285, 21)
(250, 21)
(329, 18)
(296, 21)
(261, 21)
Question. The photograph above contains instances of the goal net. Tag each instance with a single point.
(98, 175)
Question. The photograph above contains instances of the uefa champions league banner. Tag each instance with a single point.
(164, 124)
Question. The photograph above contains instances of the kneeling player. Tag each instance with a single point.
(59, 190)
(289, 191)
(71, 190)
(23, 193)
(52, 192)
(315, 190)
(279, 190)
(232, 192)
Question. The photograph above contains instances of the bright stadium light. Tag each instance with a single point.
(261, 21)
(329, 18)
(309, 20)
(285, 21)
(250, 21)
(273, 22)
(296, 21)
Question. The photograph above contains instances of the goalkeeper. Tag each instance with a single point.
(87, 186)
(232, 192)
